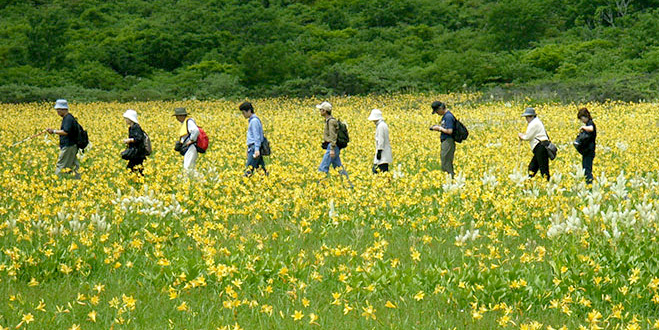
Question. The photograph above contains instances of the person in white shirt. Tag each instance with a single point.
(536, 134)
(383, 156)
(188, 134)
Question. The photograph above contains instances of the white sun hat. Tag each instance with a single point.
(131, 115)
(324, 106)
(61, 104)
(376, 115)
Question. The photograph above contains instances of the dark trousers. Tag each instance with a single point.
(252, 163)
(380, 168)
(135, 165)
(587, 165)
(539, 161)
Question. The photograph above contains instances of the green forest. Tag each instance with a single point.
(561, 50)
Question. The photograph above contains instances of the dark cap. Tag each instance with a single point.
(437, 105)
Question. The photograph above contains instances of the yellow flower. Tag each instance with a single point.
(182, 307)
(419, 296)
(27, 318)
(389, 304)
(369, 311)
(92, 316)
(297, 315)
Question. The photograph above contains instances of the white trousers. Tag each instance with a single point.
(190, 158)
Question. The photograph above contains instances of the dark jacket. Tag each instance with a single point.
(135, 132)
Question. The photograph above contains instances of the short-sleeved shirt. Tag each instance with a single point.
(591, 137)
(68, 126)
(448, 122)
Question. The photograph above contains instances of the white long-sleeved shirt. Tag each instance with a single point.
(535, 132)
(193, 130)
(382, 143)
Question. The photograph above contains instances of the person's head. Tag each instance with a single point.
(375, 116)
(247, 109)
(180, 114)
(325, 108)
(584, 115)
(438, 107)
(62, 107)
(529, 114)
(131, 117)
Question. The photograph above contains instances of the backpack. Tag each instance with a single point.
(342, 137)
(147, 144)
(202, 141)
(460, 132)
(82, 138)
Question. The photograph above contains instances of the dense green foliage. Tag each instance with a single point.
(166, 49)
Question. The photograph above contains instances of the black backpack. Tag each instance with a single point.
(342, 137)
(460, 132)
(82, 138)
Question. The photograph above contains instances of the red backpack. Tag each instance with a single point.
(202, 141)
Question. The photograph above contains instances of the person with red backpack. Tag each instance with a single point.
(188, 134)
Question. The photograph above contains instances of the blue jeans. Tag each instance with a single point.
(327, 160)
(587, 165)
(253, 163)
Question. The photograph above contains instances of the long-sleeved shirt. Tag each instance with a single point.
(255, 132)
(136, 133)
(535, 132)
(382, 143)
(189, 130)
(330, 132)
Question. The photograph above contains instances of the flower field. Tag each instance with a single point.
(411, 249)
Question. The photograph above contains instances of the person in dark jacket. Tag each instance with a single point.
(135, 151)
(68, 137)
(587, 145)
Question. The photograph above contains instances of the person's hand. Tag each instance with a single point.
(50, 130)
(520, 136)
(188, 143)
(127, 141)
(332, 153)
(257, 153)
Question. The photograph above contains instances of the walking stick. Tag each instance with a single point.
(28, 138)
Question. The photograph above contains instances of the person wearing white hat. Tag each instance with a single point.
(135, 152)
(68, 133)
(536, 134)
(383, 156)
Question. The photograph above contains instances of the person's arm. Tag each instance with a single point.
(379, 141)
(587, 128)
(530, 133)
(193, 130)
(333, 129)
(57, 131)
(450, 124)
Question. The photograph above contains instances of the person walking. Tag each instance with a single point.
(68, 134)
(446, 128)
(135, 151)
(587, 145)
(536, 134)
(332, 151)
(383, 157)
(188, 133)
(254, 140)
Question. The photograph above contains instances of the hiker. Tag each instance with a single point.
(536, 134)
(188, 133)
(446, 128)
(254, 140)
(332, 150)
(383, 155)
(135, 151)
(586, 145)
(68, 134)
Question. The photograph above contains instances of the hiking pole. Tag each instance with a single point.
(28, 138)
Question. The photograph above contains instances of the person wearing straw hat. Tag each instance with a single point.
(536, 134)
(135, 152)
(188, 133)
(383, 156)
(68, 132)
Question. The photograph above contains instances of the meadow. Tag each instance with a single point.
(411, 249)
